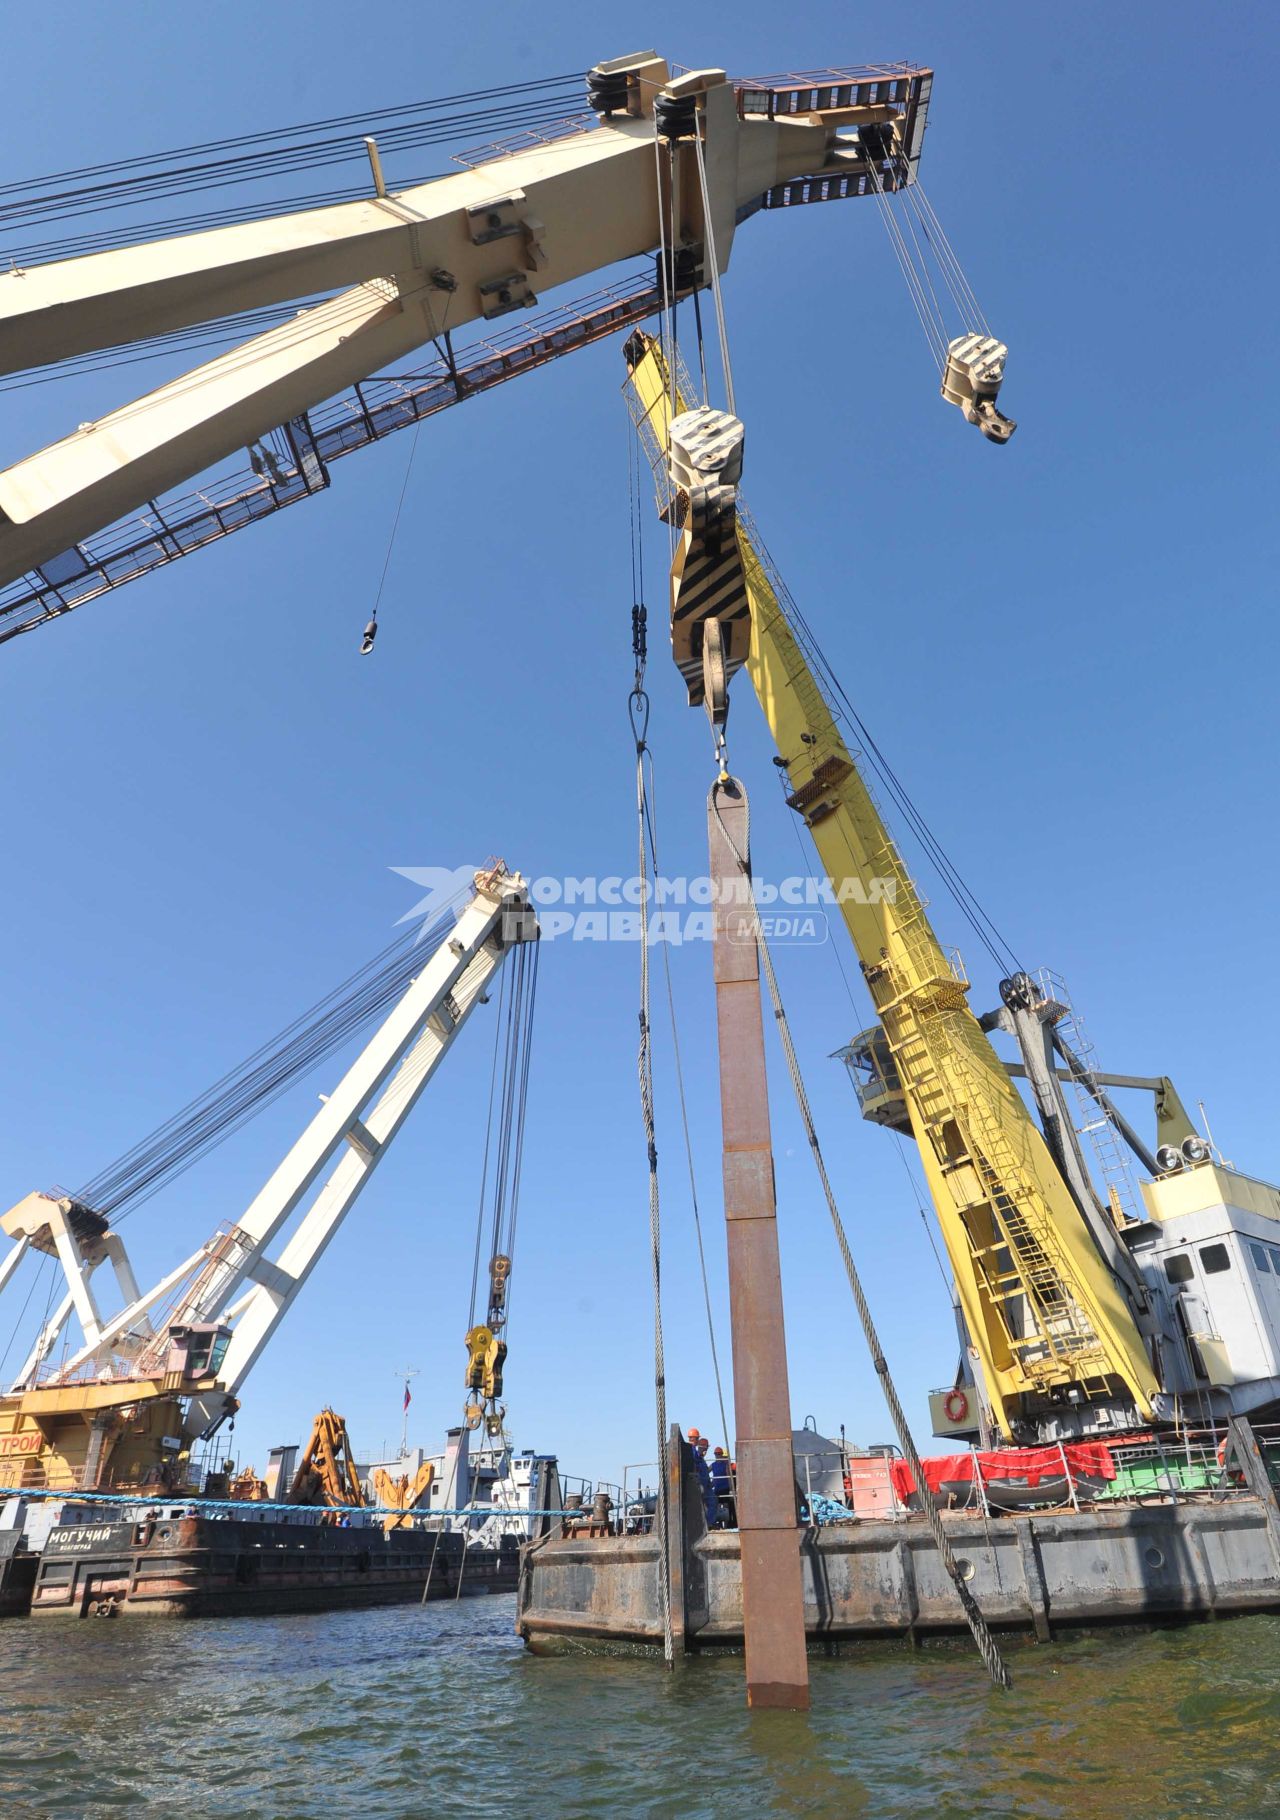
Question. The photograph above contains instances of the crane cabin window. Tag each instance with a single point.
(1178, 1268)
(1261, 1258)
(1214, 1258)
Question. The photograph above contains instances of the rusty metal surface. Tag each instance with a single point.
(881, 1578)
(203, 1567)
(772, 1596)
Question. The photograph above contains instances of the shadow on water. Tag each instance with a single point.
(438, 1711)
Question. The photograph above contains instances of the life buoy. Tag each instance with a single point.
(955, 1405)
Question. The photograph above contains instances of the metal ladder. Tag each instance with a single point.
(1020, 1268)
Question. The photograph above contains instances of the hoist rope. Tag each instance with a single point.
(136, 182)
(966, 900)
(638, 706)
(714, 263)
(639, 711)
(395, 524)
(666, 267)
(921, 267)
(930, 319)
(499, 1202)
(953, 272)
(973, 1616)
(262, 1077)
(36, 1280)
(920, 223)
(702, 350)
(498, 1024)
(514, 1099)
(652, 819)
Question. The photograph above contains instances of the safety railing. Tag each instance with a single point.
(292, 463)
(1189, 1465)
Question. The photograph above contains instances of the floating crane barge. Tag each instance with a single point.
(97, 1447)
(1090, 1315)
(1202, 1555)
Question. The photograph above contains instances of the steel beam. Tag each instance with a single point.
(480, 243)
(772, 1590)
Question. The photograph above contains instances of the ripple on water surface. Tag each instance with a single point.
(438, 1711)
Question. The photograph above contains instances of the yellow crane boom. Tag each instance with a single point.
(1049, 1319)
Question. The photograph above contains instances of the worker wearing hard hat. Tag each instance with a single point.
(700, 1444)
(722, 1485)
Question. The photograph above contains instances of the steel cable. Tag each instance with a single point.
(262, 1077)
(842, 708)
(651, 818)
(132, 184)
(644, 1064)
(376, 118)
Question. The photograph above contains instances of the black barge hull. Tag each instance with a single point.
(203, 1567)
(17, 1575)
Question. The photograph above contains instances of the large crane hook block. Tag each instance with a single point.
(706, 448)
(972, 378)
(707, 578)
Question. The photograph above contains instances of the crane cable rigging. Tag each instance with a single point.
(647, 854)
(638, 709)
(965, 898)
(922, 224)
(249, 1088)
(868, 751)
(713, 462)
(132, 184)
(499, 1202)
(971, 364)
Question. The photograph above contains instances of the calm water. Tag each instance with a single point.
(439, 1711)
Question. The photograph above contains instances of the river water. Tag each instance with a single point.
(438, 1711)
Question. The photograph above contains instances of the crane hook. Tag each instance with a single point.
(715, 686)
(370, 633)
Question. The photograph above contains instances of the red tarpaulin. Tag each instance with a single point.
(1089, 1459)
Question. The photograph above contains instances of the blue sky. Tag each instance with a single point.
(1066, 648)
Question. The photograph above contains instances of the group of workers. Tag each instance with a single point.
(717, 1478)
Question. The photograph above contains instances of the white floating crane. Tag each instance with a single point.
(664, 163)
(138, 1387)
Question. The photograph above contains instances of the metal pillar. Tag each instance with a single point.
(772, 1592)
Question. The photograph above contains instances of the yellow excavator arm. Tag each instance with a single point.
(326, 1472)
(403, 1494)
(1050, 1322)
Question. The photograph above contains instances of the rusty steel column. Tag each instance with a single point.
(769, 1535)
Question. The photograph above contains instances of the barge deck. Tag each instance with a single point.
(1201, 1556)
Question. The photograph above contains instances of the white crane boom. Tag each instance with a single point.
(344, 1142)
(484, 242)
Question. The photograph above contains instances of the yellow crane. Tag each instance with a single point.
(1055, 1322)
